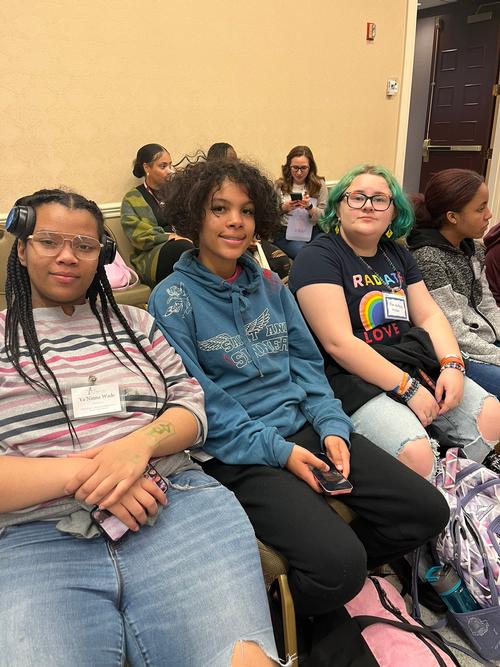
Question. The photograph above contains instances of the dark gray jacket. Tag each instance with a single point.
(456, 279)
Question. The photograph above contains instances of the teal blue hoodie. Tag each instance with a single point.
(248, 346)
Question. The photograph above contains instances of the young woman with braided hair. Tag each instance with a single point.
(91, 396)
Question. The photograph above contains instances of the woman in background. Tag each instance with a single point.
(303, 195)
(389, 351)
(157, 246)
(451, 217)
(492, 252)
(221, 151)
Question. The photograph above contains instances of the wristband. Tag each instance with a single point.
(309, 208)
(402, 386)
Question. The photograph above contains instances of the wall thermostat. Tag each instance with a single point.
(392, 87)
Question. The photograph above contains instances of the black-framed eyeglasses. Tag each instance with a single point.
(51, 244)
(294, 168)
(359, 199)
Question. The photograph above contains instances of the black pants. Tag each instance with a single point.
(397, 511)
(169, 254)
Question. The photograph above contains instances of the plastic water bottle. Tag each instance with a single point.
(451, 589)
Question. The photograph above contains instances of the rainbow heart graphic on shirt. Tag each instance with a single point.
(371, 310)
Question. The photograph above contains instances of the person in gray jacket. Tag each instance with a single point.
(451, 216)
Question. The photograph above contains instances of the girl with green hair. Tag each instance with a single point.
(390, 353)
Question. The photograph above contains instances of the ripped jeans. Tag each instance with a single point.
(181, 592)
(391, 425)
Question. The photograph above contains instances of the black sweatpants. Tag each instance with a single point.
(397, 511)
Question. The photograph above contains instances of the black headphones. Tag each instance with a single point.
(21, 223)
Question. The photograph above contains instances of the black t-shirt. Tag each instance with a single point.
(328, 259)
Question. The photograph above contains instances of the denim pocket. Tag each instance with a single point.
(190, 480)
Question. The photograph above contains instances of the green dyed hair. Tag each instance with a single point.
(403, 221)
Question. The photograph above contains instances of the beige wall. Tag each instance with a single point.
(85, 84)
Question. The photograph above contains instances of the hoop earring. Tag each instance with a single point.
(389, 232)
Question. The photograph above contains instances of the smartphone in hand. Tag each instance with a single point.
(296, 196)
(110, 525)
(332, 482)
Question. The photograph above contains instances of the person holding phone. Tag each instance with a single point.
(157, 246)
(389, 351)
(303, 196)
(269, 405)
(90, 395)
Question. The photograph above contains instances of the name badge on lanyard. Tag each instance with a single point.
(96, 399)
(395, 306)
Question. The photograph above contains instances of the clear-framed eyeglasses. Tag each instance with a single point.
(359, 199)
(299, 169)
(51, 244)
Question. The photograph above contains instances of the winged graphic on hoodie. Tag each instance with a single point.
(224, 341)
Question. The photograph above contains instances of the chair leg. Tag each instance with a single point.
(288, 613)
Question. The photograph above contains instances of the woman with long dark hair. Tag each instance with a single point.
(451, 217)
(303, 196)
(157, 245)
(93, 396)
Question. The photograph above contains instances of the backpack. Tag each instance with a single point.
(471, 540)
(120, 276)
(392, 635)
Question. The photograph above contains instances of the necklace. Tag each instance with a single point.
(391, 288)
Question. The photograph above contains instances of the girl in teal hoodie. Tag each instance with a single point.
(270, 408)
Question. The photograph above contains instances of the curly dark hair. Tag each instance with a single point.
(187, 193)
(19, 316)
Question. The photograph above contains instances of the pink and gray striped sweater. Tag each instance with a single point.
(31, 422)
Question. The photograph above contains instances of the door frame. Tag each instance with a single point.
(493, 172)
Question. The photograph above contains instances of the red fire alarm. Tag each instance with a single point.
(371, 31)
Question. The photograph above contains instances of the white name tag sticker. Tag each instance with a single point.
(395, 306)
(96, 399)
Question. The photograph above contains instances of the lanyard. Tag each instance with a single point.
(384, 282)
(160, 203)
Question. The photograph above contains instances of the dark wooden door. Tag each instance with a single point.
(461, 101)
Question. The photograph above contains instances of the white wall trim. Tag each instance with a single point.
(112, 210)
(406, 81)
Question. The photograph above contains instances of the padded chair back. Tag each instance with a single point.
(139, 294)
(115, 230)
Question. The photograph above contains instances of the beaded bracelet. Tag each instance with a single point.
(411, 391)
(451, 357)
(453, 364)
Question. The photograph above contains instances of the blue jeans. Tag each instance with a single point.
(179, 593)
(486, 375)
(391, 425)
